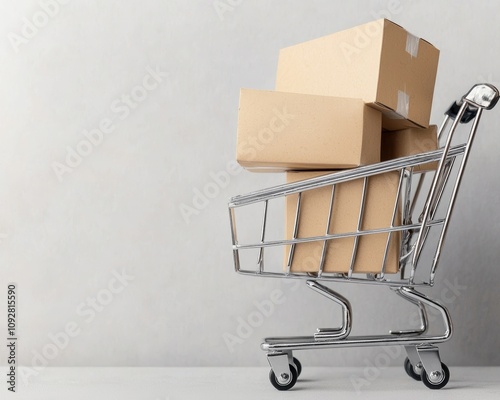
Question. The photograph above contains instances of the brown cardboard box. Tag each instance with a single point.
(408, 142)
(379, 62)
(282, 131)
(315, 204)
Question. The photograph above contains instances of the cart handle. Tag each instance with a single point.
(469, 114)
(482, 96)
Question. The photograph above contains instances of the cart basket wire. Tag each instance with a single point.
(413, 218)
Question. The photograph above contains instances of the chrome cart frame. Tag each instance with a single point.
(423, 361)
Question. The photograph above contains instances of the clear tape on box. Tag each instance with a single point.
(412, 44)
(403, 107)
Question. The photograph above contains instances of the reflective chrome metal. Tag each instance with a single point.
(483, 96)
(429, 355)
(345, 328)
(432, 193)
(454, 194)
(280, 365)
(358, 228)
(295, 232)
(236, 254)
(424, 324)
(308, 342)
(418, 342)
(393, 220)
(260, 260)
(412, 353)
(342, 176)
(325, 243)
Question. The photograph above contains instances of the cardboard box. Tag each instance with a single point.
(315, 205)
(408, 142)
(379, 62)
(288, 131)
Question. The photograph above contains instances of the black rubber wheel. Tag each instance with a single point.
(287, 386)
(298, 365)
(410, 371)
(442, 384)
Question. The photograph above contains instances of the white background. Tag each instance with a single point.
(62, 240)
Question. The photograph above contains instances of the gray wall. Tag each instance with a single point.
(67, 232)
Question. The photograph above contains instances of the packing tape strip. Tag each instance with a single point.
(412, 44)
(403, 104)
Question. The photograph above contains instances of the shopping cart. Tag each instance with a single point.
(420, 217)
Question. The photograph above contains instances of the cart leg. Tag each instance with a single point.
(436, 372)
(280, 364)
(422, 300)
(412, 353)
(429, 355)
(331, 333)
(424, 325)
(284, 371)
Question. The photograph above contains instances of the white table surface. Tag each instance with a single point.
(246, 383)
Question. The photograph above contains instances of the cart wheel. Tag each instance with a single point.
(410, 370)
(287, 381)
(438, 383)
(298, 366)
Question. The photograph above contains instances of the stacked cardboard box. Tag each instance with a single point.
(280, 131)
(380, 200)
(392, 70)
(352, 98)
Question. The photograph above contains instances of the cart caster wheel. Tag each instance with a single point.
(436, 381)
(285, 382)
(410, 370)
(298, 366)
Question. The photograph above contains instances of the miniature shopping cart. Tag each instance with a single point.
(420, 220)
